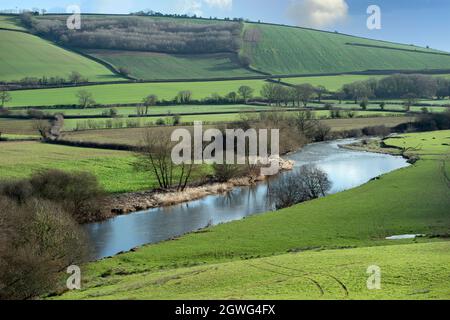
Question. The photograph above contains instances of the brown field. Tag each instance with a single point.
(133, 136)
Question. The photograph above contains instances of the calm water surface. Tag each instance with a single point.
(346, 169)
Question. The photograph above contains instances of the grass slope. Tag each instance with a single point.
(397, 203)
(158, 66)
(24, 55)
(333, 274)
(113, 168)
(288, 50)
(10, 22)
(127, 93)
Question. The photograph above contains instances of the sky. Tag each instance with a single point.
(419, 22)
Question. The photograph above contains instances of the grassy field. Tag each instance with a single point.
(202, 263)
(24, 55)
(127, 93)
(332, 83)
(114, 169)
(132, 136)
(159, 66)
(12, 126)
(82, 124)
(10, 22)
(304, 276)
(288, 50)
(159, 110)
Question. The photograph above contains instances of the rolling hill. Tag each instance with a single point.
(162, 66)
(25, 55)
(203, 49)
(289, 50)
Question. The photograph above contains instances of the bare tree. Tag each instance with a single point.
(42, 126)
(321, 132)
(85, 99)
(155, 157)
(184, 96)
(410, 100)
(306, 122)
(304, 93)
(293, 188)
(4, 97)
(75, 77)
(315, 181)
(320, 91)
(287, 191)
(149, 101)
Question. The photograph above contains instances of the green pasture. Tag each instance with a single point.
(160, 66)
(289, 50)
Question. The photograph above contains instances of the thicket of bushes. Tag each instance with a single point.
(79, 193)
(398, 86)
(38, 241)
(142, 34)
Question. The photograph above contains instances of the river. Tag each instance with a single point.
(346, 169)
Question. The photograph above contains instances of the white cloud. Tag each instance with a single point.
(318, 13)
(190, 7)
(220, 4)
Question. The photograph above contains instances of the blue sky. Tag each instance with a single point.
(420, 22)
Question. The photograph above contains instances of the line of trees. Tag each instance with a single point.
(399, 86)
(74, 78)
(135, 33)
(299, 95)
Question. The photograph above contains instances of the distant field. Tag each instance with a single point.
(158, 66)
(125, 111)
(83, 124)
(12, 126)
(10, 22)
(332, 83)
(25, 55)
(133, 136)
(287, 50)
(127, 93)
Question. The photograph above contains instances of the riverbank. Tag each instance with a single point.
(396, 203)
(139, 201)
(378, 145)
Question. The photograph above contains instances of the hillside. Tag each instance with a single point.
(162, 66)
(290, 50)
(165, 48)
(25, 55)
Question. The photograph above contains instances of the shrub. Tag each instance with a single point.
(160, 122)
(79, 193)
(38, 241)
(176, 120)
(307, 184)
(18, 191)
(380, 131)
(226, 172)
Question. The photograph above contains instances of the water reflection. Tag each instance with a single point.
(346, 169)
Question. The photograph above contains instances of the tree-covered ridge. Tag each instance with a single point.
(140, 34)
